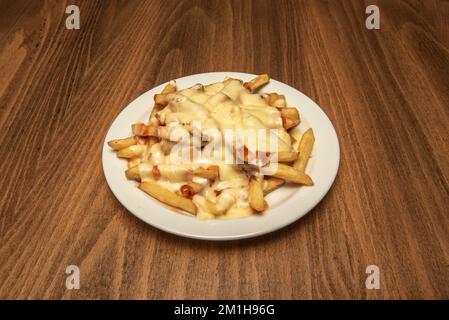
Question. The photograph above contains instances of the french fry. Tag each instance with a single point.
(161, 99)
(290, 117)
(255, 195)
(153, 120)
(166, 132)
(275, 100)
(119, 144)
(212, 208)
(291, 113)
(131, 151)
(287, 156)
(291, 174)
(142, 130)
(289, 123)
(271, 183)
(210, 172)
(133, 162)
(133, 173)
(305, 149)
(168, 197)
(153, 171)
(257, 82)
(169, 88)
(188, 190)
(263, 157)
(228, 80)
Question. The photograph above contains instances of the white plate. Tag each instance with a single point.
(287, 204)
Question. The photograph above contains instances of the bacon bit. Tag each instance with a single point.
(218, 192)
(248, 155)
(187, 191)
(156, 173)
(245, 153)
(263, 157)
(284, 119)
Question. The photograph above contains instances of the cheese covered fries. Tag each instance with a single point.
(216, 150)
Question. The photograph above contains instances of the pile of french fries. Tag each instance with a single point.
(136, 149)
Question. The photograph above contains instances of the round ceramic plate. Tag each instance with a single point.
(286, 205)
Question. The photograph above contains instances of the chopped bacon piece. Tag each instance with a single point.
(156, 173)
(187, 191)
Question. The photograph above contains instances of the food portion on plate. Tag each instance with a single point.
(216, 150)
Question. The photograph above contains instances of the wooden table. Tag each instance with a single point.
(386, 91)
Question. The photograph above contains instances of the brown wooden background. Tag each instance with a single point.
(386, 91)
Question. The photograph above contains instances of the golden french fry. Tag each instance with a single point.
(269, 97)
(166, 132)
(133, 162)
(188, 190)
(161, 99)
(291, 174)
(287, 156)
(271, 183)
(131, 151)
(291, 113)
(228, 80)
(153, 119)
(305, 149)
(280, 102)
(257, 82)
(213, 87)
(210, 172)
(290, 117)
(119, 144)
(141, 129)
(255, 195)
(275, 100)
(133, 173)
(289, 123)
(169, 88)
(212, 208)
(283, 156)
(168, 197)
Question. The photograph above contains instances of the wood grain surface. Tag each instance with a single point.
(386, 91)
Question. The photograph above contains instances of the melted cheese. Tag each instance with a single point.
(219, 106)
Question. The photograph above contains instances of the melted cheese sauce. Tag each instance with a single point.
(219, 106)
